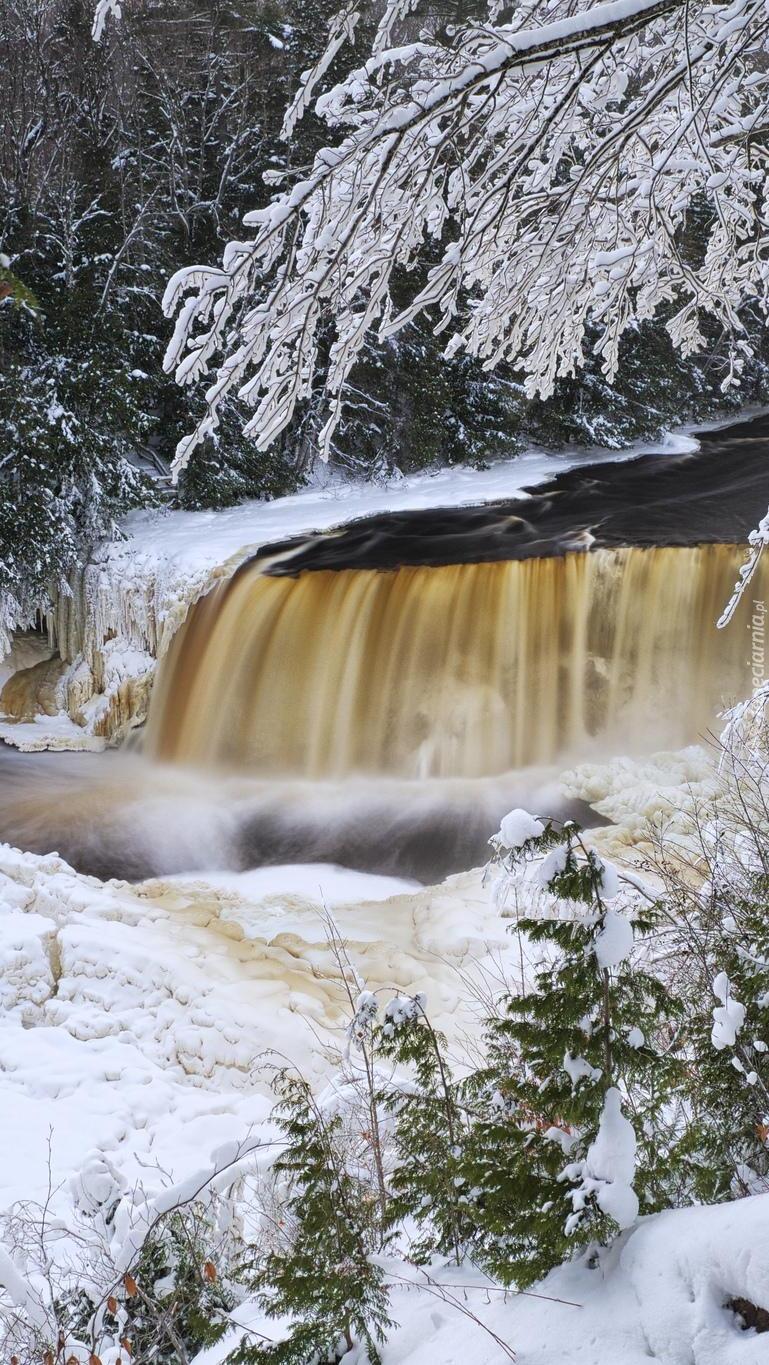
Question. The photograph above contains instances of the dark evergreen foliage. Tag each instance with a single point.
(428, 1181)
(174, 1303)
(553, 1054)
(729, 1038)
(497, 1166)
(321, 1277)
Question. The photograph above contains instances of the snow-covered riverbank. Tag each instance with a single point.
(138, 1021)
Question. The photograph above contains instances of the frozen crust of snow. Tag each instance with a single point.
(137, 1020)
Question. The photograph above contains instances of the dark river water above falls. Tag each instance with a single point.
(715, 494)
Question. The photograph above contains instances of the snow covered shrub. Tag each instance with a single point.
(572, 1128)
(176, 1300)
(169, 1303)
(318, 1274)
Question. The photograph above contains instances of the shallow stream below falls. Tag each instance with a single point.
(377, 697)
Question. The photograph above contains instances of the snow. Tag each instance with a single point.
(610, 1163)
(658, 1299)
(609, 880)
(728, 1017)
(633, 792)
(614, 940)
(579, 1067)
(283, 886)
(136, 1022)
(322, 882)
(518, 826)
(49, 732)
(551, 866)
(19, 1289)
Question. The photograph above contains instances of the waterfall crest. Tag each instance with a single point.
(465, 670)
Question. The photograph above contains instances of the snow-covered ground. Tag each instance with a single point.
(659, 1298)
(138, 1021)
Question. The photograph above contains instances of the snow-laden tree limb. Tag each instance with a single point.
(105, 9)
(558, 160)
(757, 543)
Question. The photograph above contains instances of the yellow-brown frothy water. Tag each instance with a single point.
(460, 671)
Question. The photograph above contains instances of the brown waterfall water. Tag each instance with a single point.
(463, 670)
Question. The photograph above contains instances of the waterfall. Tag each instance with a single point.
(465, 670)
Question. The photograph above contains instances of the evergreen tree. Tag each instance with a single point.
(323, 1279)
(729, 1040)
(427, 1182)
(575, 1096)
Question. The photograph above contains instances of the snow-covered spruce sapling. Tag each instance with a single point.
(321, 1278)
(577, 1080)
(729, 1078)
(427, 1182)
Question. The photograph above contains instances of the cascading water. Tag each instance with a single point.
(465, 670)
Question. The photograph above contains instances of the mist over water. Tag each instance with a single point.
(122, 815)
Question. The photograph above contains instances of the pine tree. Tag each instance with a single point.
(323, 1279)
(577, 1091)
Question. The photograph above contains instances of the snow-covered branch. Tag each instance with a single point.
(576, 170)
(105, 9)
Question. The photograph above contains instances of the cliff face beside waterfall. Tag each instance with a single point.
(96, 659)
(84, 678)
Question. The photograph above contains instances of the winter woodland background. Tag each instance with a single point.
(121, 162)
